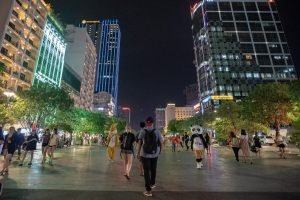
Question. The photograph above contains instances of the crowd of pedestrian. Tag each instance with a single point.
(146, 146)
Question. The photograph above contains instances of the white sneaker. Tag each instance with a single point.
(198, 166)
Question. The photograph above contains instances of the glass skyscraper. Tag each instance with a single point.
(108, 59)
(238, 44)
(50, 64)
(93, 29)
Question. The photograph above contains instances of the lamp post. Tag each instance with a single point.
(129, 112)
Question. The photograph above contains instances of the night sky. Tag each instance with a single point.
(156, 61)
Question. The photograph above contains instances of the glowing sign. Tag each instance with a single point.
(222, 97)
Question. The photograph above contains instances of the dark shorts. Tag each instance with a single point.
(281, 146)
(44, 144)
(126, 151)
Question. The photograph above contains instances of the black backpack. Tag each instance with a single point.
(127, 141)
(150, 142)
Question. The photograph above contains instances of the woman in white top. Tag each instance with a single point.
(52, 145)
(244, 145)
(112, 142)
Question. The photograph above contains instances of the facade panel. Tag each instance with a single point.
(238, 44)
(108, 59)
(50, 64)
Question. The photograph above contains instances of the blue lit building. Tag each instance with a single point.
(108, 59)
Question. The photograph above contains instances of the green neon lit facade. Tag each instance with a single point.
(50, 64)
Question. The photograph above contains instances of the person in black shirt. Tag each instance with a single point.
(30, 146)
(127, 140)
(257, 144)
(186, 140)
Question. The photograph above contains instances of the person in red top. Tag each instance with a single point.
(173, 141)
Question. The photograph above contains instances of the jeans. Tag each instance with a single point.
(187, 145)
(149, 165)
(236, 152)
(19, 150)
(173, 147)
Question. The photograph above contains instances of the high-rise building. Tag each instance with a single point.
(160, 118)
(108, 59)
(191, 94)
(104, 103)
(82, 58)
(94, 29)
(21, 30)
(71, 83)
(50, 64)
(177, 113)
(238, 44)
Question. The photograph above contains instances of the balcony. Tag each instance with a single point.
(13, 27)
(8, 55)
(9, 39)
(15, 74)
(26, 66)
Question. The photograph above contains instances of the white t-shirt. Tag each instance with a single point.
(198, 144)
(112, 142)
(53, 140)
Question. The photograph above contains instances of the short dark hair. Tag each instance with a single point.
(149, 120)
(243, 132)
(142, 124)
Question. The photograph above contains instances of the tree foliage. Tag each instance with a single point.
(269, 104)
(40, 103)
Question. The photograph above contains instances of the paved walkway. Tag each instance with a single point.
(85, 173)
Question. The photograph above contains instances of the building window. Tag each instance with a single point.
(256, 75)
(272, 37)
(227, 16)
(278, 60)
(266, 16)
(275, 48)
(244, 37)
(261, 48)
(258, 37)
(242, 26)
(213, 16)
(211, 6)
(247, 48)
(263, 60)
(248, 75)
(250, 6)
(228, 26)
(253, 17)
(224, 6)
(263, 6)
(240, 16)
(237, 6)
(269, 26)
(255, 26)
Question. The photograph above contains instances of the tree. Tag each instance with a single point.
(40, 103)
(230, 112)
(2, 67)
(6, 117)
(269, 104)
(295, 114)
(121, 124)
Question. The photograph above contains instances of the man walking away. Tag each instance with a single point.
(149, 147)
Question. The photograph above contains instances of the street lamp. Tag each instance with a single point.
(129, 112)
